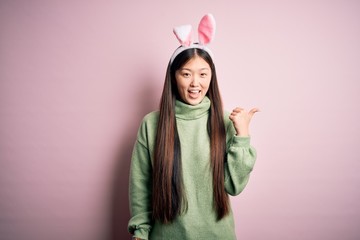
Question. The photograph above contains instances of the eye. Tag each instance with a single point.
(186, 75)
(203, 74)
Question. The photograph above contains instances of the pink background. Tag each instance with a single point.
(76, 78)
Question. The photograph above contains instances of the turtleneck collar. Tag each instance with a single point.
(188, 112)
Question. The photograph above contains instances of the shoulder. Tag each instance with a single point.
(150, 118)
(148, 127)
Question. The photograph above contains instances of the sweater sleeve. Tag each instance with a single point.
(140, 185)
(240, 161)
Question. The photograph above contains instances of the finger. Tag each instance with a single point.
(233, 116)
(238, 109)
(253, 111)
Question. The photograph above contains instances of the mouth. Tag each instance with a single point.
(194, 93)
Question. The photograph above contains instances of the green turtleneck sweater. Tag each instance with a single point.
(199, 221)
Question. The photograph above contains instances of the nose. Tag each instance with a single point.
(195, 81)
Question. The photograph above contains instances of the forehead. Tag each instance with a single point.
(196, 63)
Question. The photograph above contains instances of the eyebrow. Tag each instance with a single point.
(190, 69)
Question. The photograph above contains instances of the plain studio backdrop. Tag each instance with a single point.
(76, 78)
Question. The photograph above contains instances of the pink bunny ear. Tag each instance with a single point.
(206, 29)
(184, 34)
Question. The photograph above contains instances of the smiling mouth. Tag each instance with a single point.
(194, 91)
(194, 94)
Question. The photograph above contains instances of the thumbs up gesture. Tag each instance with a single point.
(241, 120)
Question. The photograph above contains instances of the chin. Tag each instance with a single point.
(194, 101)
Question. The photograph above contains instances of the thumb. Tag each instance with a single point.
(253, 111)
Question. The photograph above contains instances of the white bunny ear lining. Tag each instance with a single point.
(184, 34)
(206, 33)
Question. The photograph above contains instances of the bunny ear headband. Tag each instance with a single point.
(206, 33)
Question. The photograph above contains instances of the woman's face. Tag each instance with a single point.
(193, 80)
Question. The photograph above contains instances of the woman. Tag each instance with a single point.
(189, 155)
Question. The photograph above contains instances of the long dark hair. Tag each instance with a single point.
(168, 195)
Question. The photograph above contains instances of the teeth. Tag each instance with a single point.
(197, 91)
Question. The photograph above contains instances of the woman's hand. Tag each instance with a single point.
(241, 120)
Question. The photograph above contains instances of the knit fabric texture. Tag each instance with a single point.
(199, 221)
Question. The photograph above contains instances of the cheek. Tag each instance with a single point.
(182, 84)
(181, 87)
(206, 84)
(178, 83)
